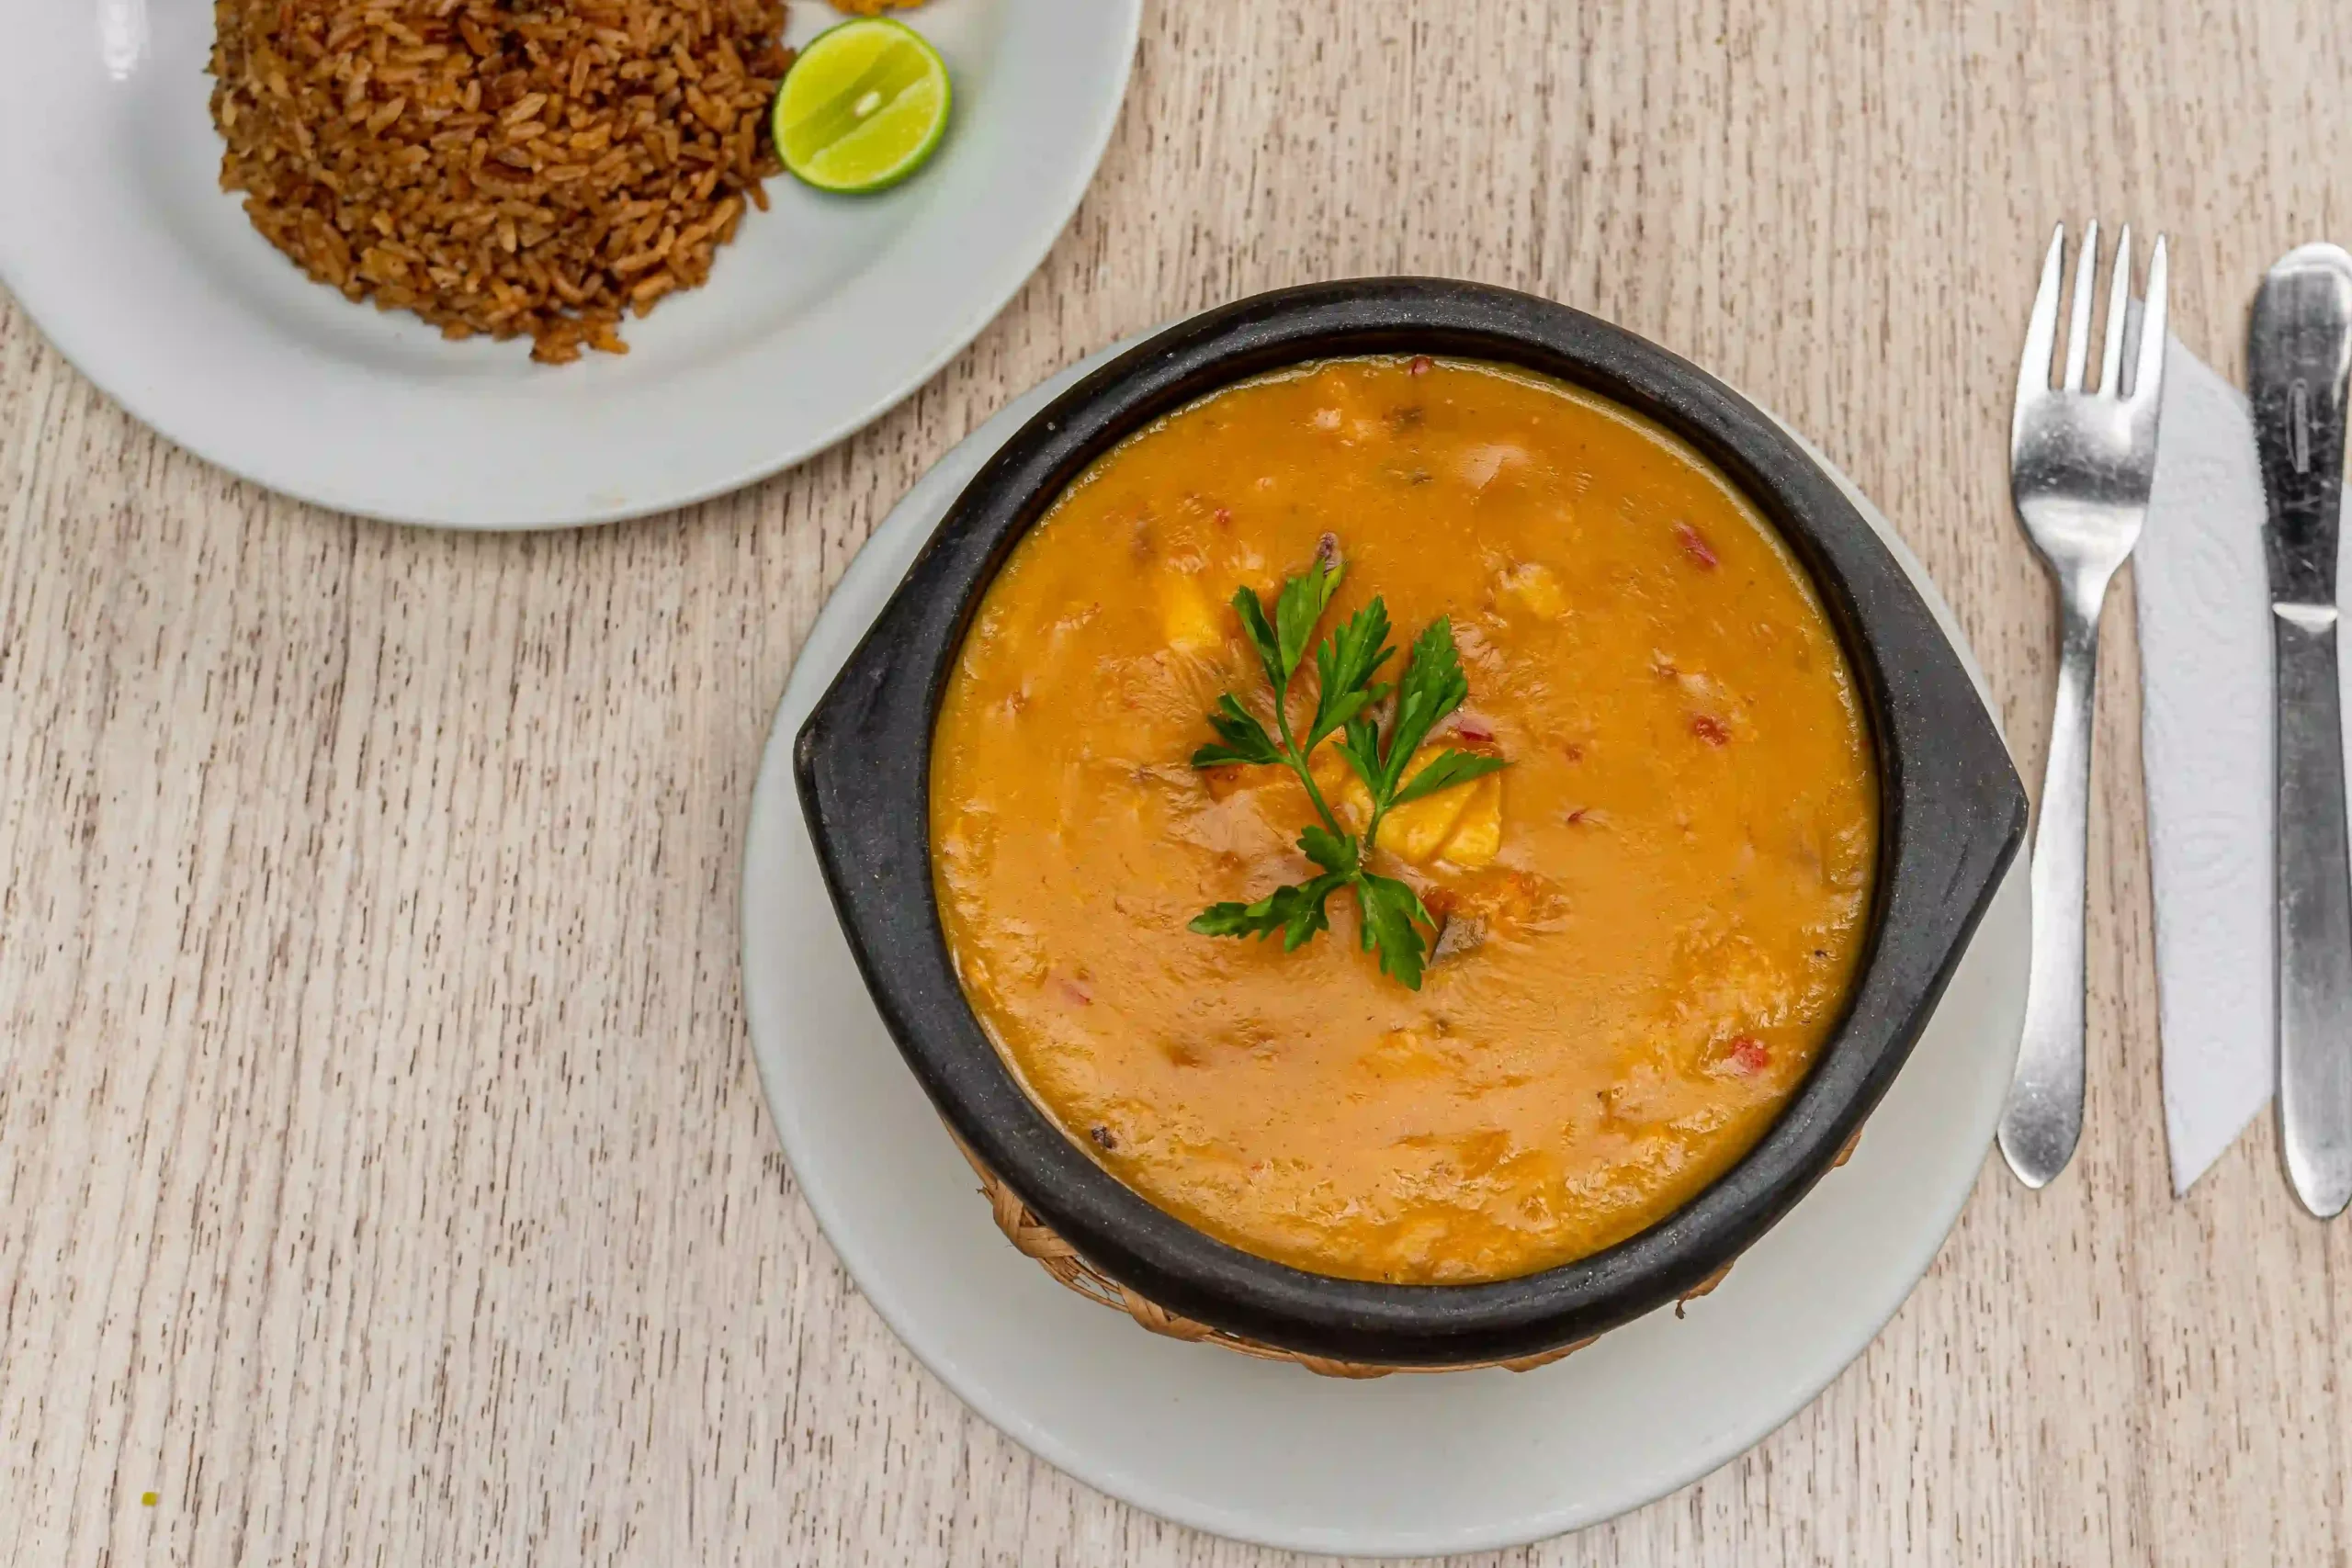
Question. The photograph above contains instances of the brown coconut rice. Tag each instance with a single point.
(534, 168)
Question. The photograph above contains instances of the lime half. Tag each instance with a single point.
(862, 108)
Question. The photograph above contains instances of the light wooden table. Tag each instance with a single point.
(382, 1176)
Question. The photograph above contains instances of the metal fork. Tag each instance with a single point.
(2081, 460)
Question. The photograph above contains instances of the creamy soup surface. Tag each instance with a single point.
(1651, 918)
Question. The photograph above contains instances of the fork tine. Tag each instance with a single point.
(2148, 379)
(2119, 307)
(2078, 324)
(2041, 327)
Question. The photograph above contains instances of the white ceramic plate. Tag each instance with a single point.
(1271, 1453)
(824, 312)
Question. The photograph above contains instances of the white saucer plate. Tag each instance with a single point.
(823, 313)
(1269, 1453)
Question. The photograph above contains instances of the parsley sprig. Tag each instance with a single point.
(1349, 703)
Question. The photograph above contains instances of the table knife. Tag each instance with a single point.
(2298, 359)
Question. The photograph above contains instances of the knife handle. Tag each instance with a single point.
(2315, 913)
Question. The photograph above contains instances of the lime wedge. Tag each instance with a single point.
(862, 106)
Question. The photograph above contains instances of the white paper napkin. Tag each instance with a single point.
(2205, 723)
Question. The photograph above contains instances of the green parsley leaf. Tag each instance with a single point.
(1360, 751)
(1298, 912)
(1390, 908)
(1303, 600)
(1329, 850)
(1433, 685)
(1444, 770)
(1244, 739)
(1253, 611)
(1344, 663)
(1309, 912)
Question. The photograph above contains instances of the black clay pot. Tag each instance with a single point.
(1952, 817)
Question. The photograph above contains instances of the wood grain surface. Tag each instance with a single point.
(383, 1179)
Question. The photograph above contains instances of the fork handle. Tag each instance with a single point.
(2043, 1118)
(2314, 912)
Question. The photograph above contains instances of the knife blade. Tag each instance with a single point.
(2299, 361)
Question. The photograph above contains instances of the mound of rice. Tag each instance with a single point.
(536, 167)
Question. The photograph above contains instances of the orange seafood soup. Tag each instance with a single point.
(1646, 924)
